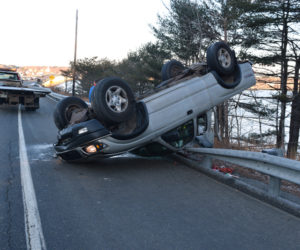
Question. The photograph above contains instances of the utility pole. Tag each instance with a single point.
(75, 54)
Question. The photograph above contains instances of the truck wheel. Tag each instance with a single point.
(36, 105)
(37, 102)
(63, 111)
(31, 108)
(171, 69)
(113, 101)
(221, 58)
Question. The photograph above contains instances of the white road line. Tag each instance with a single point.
(33, 227)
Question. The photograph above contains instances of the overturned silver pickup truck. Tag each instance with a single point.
(173, 115)
(13, 92)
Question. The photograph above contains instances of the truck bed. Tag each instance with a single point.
(25, 90)
(29, 97)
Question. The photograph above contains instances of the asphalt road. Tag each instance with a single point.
(126, 202)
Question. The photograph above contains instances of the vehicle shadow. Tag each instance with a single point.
(122, 163)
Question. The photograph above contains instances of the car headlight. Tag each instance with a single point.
(95, 147)
(91, 149)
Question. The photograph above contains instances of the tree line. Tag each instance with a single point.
(140, 69)
(263, 31)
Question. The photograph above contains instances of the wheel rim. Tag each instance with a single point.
(116, 99)
(70, 110)
(224, 58)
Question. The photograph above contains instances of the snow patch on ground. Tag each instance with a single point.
(41, 152)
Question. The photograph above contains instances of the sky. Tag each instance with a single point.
(42, 32)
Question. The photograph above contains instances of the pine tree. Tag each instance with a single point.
(187, 30)
(266, 30)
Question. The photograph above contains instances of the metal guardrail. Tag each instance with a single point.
(278, 168)
(57, 96)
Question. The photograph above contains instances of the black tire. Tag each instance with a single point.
(30, 108)
(37, 102)
(63, 110)
(36, 105)
(221, 58)
(113, 101)
(171, 69)
(57, 120)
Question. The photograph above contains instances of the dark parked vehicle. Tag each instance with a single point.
(13, 92)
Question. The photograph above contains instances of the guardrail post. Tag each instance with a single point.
(274, 186)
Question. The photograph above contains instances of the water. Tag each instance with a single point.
(246, 124)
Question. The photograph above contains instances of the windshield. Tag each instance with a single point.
(9, 76)
(181, 135)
